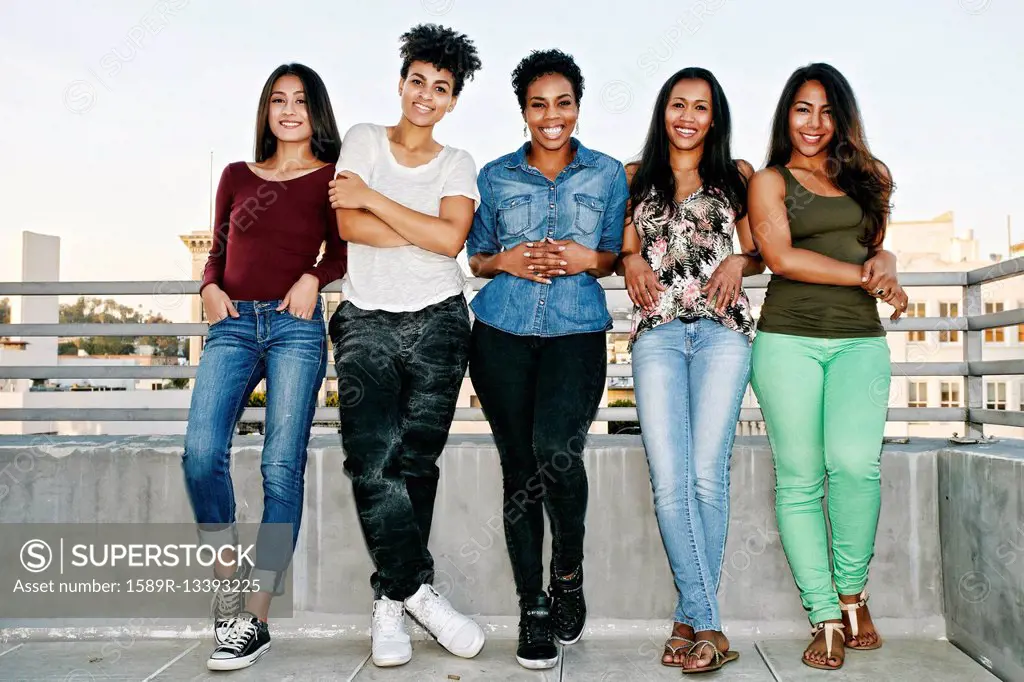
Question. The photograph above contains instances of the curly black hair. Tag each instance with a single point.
(442, 47)
(541, 63)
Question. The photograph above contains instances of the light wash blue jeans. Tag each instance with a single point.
(291, 354)
(689, 379)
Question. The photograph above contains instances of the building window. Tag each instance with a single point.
(994, 335)
(949, 310)
(950, 394)
(995, 395)
(474, 401)
(918, 395)
(915, 310)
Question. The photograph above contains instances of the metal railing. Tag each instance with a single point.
(971, 325)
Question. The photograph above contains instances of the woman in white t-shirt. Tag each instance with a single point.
(405, 204)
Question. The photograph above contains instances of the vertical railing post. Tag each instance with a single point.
(973, 340)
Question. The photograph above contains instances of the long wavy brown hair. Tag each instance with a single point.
(851, 166)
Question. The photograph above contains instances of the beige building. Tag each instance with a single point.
(937, 246)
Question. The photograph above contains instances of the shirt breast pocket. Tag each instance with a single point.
(514, 215)
(589, 211)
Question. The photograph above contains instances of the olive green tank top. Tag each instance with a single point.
(831, 226)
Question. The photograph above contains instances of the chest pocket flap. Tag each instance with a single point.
(514, 214)
(589, 211)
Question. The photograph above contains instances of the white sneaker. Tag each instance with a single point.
(454, 631)
(389, 642)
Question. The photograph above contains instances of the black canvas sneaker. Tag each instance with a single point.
(246, 639)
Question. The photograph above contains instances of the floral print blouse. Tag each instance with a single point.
(683, 251)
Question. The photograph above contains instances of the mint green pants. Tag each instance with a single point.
(824, 403)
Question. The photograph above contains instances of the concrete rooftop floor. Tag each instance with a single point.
(590, 660)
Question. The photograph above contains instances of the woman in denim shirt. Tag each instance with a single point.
(548, 226)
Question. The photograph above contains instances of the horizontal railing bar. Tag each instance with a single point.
(998, 417)
(189, 287)
(996, 271)
(619, 370)
(933, 279)
(98, 372)
(1005, 318)
(101, 329)
(150, 288)
(929, 369)
(257, 414)
(926, 414)
(996, 368)
(924, 324)
(78, 329)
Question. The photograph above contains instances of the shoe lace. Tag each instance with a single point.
(240, 632)
(226, 603)
(569, 605)
(387, 616)
(437, 607)
(535, 629)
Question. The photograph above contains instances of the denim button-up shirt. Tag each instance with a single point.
(586, 203)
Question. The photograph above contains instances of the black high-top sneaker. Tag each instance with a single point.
(536, 650)
(568, 607)
(246, 638)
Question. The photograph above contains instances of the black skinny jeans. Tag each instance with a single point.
(540, 396)
(399, 376)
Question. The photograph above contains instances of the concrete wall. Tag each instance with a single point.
(981, 493)
(105, 479)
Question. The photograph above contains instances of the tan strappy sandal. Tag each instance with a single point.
(850, 610)
(830, 630)
(674, 650)
(718, 658)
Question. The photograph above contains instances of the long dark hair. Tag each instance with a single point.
(326, 140)
(851, 166)
(717, 168)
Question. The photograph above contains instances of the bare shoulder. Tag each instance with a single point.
(746, 170)
(768, 181)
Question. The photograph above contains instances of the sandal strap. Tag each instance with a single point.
(851, 611)
(698, 647)
(830, 630)
(684, 644)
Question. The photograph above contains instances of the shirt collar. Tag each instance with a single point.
(584, 156)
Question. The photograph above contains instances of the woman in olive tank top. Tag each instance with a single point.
(820, 359)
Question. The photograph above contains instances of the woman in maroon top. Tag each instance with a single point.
(260, 293)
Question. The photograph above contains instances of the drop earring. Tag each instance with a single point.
(577, 131)
(525, 133)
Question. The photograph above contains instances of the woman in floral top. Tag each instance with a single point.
(690, 341)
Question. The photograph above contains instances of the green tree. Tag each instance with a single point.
(109, 311)
(616, 427)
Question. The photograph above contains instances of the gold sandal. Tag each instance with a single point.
(830, 630)
(850, 610)
(718, 658)
(684, 645)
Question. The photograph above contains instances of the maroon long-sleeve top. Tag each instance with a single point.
(268, 234)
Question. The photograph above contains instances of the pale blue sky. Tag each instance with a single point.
(107, 140)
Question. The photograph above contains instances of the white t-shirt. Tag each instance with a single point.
(403, 278)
